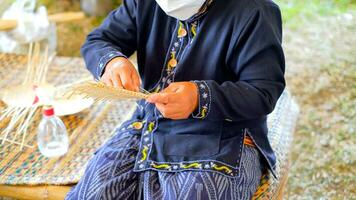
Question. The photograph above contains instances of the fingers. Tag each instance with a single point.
(111, 83)
(116, 80)
(166, 96)
(121, 73)
(136, 81)
(177, 101)
(169, 111)
(127, 81)
(159, 98)
(106, 80)
(172, 88)
(166, 104)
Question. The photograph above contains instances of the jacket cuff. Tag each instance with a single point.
(104, 60)
(204, 100)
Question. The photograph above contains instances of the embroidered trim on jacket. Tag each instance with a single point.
(204, 100)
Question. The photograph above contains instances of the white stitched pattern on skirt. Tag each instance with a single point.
(109, 175)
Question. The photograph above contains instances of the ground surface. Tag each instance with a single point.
(321, 74)
(320, 47)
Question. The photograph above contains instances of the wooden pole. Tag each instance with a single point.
(22, 192)
(66, 17)
(6, 24)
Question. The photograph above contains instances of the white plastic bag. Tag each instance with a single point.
(31, 26)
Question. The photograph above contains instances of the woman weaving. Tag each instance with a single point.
(216, 69)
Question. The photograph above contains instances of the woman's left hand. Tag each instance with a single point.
(177, 101)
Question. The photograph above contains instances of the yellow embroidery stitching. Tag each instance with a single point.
(180, 27)
(151, 125)
(193, 165)
(203, 113)
(144, 153)
(222, 168)
(194, 31)
(165, 166)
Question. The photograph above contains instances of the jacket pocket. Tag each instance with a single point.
(186, 140)
(191, 145)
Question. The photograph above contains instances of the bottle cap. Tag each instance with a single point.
(48, 111)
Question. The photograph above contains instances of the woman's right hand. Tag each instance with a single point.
(121, 73)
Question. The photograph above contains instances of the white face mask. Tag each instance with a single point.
(180, 9)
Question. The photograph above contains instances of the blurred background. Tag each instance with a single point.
(320, 48)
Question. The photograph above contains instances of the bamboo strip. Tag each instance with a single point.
(15, 118)
(17, 143)
(26, 124)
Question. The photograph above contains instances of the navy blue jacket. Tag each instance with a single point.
(233, 52)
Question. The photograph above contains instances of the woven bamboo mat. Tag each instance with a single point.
(281, 124)
(91, 128)
(87, 130)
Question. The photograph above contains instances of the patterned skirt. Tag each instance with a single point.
(109, 175)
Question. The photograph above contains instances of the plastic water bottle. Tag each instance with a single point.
(52, 135)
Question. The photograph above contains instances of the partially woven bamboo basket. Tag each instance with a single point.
(101, 92)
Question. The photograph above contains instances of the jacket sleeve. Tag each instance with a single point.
(257, 60)
(115, 37)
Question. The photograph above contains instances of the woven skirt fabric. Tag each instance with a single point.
(109, 175)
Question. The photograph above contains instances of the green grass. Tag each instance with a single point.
(294, 11)
(319, 42)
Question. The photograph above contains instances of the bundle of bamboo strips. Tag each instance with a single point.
(19, 118)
